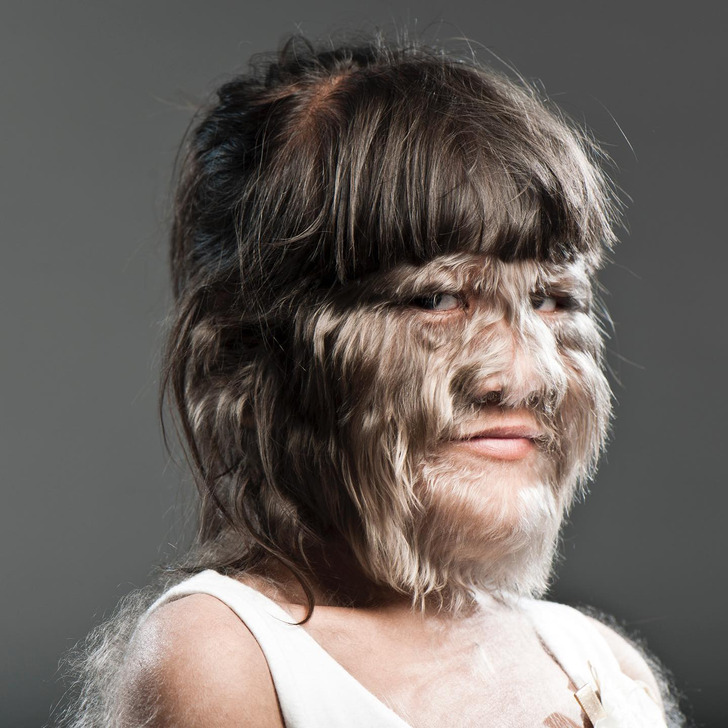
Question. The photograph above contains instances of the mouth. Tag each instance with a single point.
(505, 442)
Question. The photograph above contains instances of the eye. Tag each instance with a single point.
(437, 302)
(545, 304)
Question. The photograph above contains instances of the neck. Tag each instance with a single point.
(336, 579)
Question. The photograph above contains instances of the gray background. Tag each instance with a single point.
(95, 97)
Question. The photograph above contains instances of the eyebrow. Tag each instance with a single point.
(568, 277)
(456, 272)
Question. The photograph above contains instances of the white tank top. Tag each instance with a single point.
(315, 691)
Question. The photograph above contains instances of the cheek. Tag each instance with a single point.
(589, 396)
(580, 346)
(400, 360)
(389, 376)
(578, 332)
(586, 411)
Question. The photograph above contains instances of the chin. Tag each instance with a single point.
(489, 525)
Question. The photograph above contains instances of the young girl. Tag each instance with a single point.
(387, 371)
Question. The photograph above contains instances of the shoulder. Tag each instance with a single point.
(632, 660)
(193, 663)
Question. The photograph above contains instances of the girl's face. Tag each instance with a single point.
(470, 404)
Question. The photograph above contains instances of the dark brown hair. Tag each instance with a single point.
(317, 168)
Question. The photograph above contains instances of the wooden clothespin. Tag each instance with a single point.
(588, 696)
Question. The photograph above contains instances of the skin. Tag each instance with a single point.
(484, 663)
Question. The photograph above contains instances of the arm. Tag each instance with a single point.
(193, 664)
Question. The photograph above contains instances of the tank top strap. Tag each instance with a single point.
(587, 659)
(570, 638)
(267, 622)
(314, 691)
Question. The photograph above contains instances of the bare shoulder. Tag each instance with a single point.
(194, 663)
(630, 658)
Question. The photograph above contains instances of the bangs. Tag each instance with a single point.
(404, 162)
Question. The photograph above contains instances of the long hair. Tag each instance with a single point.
(319, 167)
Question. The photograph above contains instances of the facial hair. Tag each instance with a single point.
(490, 527)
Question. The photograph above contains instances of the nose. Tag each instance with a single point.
(519, 365)
(493, 396)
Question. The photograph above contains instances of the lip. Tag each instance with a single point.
(502, 442)
(505, 431)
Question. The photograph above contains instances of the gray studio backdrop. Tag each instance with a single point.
(95, 97)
